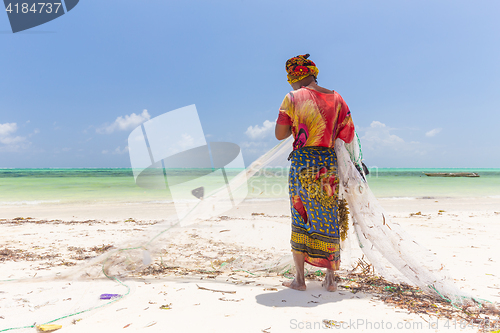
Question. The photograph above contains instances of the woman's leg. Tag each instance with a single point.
(329, 282)
(299, 283)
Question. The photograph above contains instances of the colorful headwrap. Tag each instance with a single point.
(300, 67)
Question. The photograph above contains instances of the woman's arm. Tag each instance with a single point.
(282, 131)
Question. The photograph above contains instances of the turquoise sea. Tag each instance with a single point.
(39, 186)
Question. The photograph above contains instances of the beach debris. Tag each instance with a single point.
(331, 323)
(160, 269)
(493, 308)
(412, 300)
(166, 306)
(257, 214)
(84, 253)
(222, 263)
(102, 248)
(127, 325)
(151, 324)
(109, 296)
(66, 263)
(365, 267)
(224, 230)
(56, 221)
(266, 330)
(271, 289)
(21, 255)
(315, 276)
(218, 291)
(48, 327)
(416, 214)
(74, 321)
(230, 300)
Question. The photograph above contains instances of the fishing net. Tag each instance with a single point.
(227, 218)
(394, 254)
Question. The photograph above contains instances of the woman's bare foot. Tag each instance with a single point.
(295, 285)
(329, 282)
(299, 283)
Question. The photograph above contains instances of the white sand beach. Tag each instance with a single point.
(464, 233)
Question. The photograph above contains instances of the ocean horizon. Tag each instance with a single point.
(26, 186)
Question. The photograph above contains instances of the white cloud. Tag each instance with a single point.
(35, 132)
(11, 142)
(379, 134)
(399, 147)
(7, 129)
(261, 135)
(125, 123)
(255, 149)
(379, 140)
(251, 144)
(259, 132)
(433, 132)
(118, 151)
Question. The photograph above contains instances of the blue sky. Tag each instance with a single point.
(422, 78)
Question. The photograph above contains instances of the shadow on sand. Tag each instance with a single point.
(314, 295)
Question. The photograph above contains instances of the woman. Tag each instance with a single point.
(316, 117)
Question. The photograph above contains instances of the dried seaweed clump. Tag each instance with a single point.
(343, 216)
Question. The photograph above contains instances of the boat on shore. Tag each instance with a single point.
(451, 174)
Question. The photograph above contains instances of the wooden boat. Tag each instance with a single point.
(452, 174)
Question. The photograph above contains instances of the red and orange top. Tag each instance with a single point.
(317, 119)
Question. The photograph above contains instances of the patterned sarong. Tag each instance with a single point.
(313, 187)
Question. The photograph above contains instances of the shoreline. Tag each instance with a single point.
(464, 233)
(154, 210)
